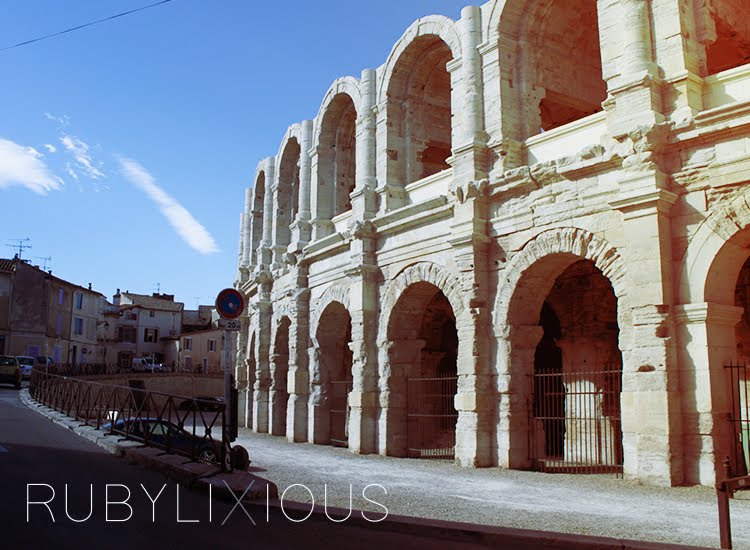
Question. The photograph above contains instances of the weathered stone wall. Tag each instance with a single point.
(424, 192)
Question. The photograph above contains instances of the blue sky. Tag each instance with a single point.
(125, 147)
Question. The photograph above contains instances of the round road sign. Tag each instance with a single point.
(230, 303)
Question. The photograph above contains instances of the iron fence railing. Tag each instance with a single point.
(188, 426)
(431, 417)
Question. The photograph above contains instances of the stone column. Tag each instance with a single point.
(651, 398)
(318, 417)
(298, 382)
(516, 347)
(706, 333)
(241, 270)
(247, 237)
(397, 359)
(391, 192)
(635, 89)
(264, 251)
(241, 374)
(300, 228)
(363, 308)
(364, 198)
(264, 312)
(277, 394)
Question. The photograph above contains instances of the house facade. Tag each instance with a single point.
(521, 242)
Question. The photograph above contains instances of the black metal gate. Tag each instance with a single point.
(740, 419)
(339, 412)
(575, 419)
(431, 417)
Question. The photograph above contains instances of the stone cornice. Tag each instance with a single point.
(709, 313)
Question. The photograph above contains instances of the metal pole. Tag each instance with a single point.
(725, 527)
(227, 464)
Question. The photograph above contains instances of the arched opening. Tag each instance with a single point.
(288, 190)
(560, 66)
(731, 48)
(424, 377)
(337, 155)
(576, 424)
(739, 374)
(279, 375)
(564, 360)
(334, 334)
(256, 216)
(419, 111)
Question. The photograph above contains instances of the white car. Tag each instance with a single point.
(27, 363)
(144, 364)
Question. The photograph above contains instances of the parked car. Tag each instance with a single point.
(202, 403)
(144, 364)
(27, 363)
(42, 361)
(10, 371)
(168, 435)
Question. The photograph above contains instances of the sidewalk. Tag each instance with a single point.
(590, 505)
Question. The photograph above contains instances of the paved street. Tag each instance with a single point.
(34, 450)
(591, 505)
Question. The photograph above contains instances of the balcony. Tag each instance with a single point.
(430, 187)
(726, 87)
(567, 140)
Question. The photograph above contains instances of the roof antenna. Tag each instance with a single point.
(20, 246)
(47, 259)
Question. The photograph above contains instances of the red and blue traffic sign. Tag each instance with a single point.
(230, 304)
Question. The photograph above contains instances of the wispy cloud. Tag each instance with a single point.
(82, 154)
(50, 148)
(183, 222)
(62, 121)
(24, 166)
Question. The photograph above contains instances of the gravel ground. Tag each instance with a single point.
(592, 505)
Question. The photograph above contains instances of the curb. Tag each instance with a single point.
(179, 468)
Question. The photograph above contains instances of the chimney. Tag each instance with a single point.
(89, 286)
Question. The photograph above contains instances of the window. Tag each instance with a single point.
(79, 300)
(78, 326)
(151, 314)
(126, 334)
(151, 335)
(187, 344)
(212, 345)
(58, 325)
(132, 316)
(60, 296)
(188, 363)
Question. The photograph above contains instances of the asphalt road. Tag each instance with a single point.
(38, 456)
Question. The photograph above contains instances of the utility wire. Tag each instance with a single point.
(91, 23)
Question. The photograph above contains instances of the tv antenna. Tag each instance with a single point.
(197, 301)
(21, 246)
(158, 288)
(47, 260)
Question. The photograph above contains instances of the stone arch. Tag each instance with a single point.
(712, 335)
(419, 296)
(525, 284)
(337, 292)
(536, 66)
(431, 25)
(347, 85)
(256, 212)
(560, 241)
(723, 227)
(287, 188)
(279, 363)
(422, 272)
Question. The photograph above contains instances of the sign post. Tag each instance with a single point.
(229, 305)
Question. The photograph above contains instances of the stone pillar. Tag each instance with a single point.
(391, 192)
(298, 381)
(241, 374)
(241, 270)
(318, 412)
(635, 89)
(277, 394)
(706, 335)
(247, 238)
(300, 228)
(651, 412)
(364, 198)
(398, 359)
(363, 308)
(516, 347)
(264, 251)
(321, 202)
(264, 312)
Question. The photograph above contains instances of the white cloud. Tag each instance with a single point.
(81, 153)
(24, 166)
(187, 227)
(63, 120)
(50, 148)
